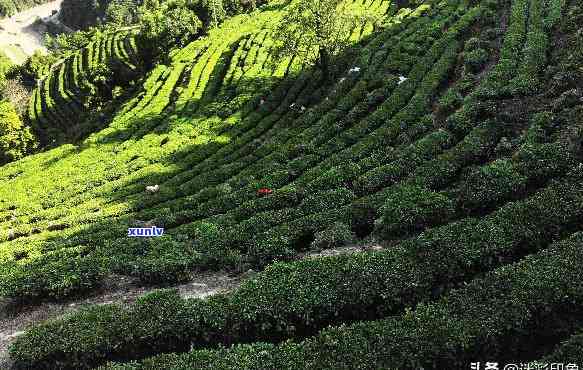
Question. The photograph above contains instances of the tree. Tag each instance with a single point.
(121, 12)
(97, 85)
(70, 42)
(171, 24)
(315, 30)
(79, 14)
(7, 8)
(401, 4)
(217, 11)
(15, 139)
(37, 65)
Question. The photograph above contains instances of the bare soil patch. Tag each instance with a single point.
(117, 289)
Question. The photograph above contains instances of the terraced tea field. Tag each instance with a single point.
(449, 138)
(57, 104)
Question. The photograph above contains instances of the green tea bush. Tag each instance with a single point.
(55, 274)
(220, 122)
(411, 208)
(483, 186)
(465, 326)
(451, 100)
(475, 60)
(295, 299)
(338, 235)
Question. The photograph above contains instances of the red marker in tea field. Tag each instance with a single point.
(264, 191)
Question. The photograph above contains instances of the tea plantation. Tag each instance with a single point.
(450, 135)
(60, 99)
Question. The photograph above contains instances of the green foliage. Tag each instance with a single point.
(16, 140)
(64, 273)
(37, 64)
(451, 100)
(316, 30)
(5, 66)
(475, 60)
(171, 24)
(521, 300)
(71, 90)
(10, 7)
(67, 43)
(317, 157)
(338, 235)
(258, 161)
(299, 298)
(121, 12)
(411, 208)
(80, 14)
(96, 85)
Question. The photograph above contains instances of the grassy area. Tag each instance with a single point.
(15, 53)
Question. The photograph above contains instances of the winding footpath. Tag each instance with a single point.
(19, 36)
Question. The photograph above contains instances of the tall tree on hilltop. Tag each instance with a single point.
(315, 30)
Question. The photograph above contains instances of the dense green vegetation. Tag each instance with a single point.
(72, 89)
(16, 139)
(82, 14)
(88, 73)
(5, 65)
(492, 317)
(448, 132)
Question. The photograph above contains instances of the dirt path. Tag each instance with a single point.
(19, 37)
(125, 290)
(118, 289)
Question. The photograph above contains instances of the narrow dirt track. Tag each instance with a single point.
(125, 290)
(117, 289)
(18, 32)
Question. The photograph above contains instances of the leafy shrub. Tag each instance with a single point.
(37, 64)
(336, 236)
(486, 185)
(163, 261)
(541, 128)
(16, 140)
(302, 297)
(449, 333)
(472, 44)
(450, 100)
(411, 208)
(10, 7)
(168, 25)
(55, 274)
(475, 60)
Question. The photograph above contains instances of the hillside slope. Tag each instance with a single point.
(67, 96)
(452, 136)
(10, 7)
